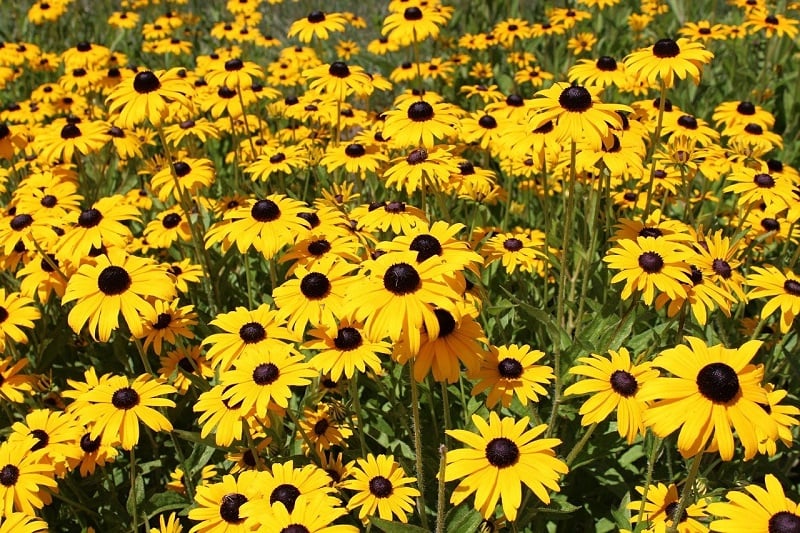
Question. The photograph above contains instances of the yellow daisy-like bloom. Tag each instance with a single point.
(56, 433)
(316, 295)
(285, 484)
(772, 24)
(168, 524)
(381, 486)
(648, 264)
(101, 225)
(322, 429)
(356, 158)
(310, 513)
(268, 225)
(116, 283)
(756, 186)
(614, 383)
(398, 297)
(421, 167)
(191, 174)
(168, 322)
(218, 504)
(668, 59)
(147, 95)
(117, 406)
(245, 331)
(413, 24)
(499, 460)
(756, 509)
(714, 390)
(25, 474)
(784, 417)
(345, 348)
(783, 289)
(317, 24)
(515, 251)
(576, 112)
(16, 522)
(510, 370)
(16, 311)
(338, 79)
(259, 379)
(177, 364)
(233, 73)
(220, 416)
(661, 504)
(12, 383)
(421, 123)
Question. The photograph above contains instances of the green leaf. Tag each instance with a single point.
(164, 501)
(136, 496)
(559, 506)
(395, 527)
(463, 519)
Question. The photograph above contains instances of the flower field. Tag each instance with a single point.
(401, 266)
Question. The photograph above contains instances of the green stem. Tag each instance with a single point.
(249, 276)
(573, 453)
(359, 419)
(187, 478)
(418, 446)
(132, 494)
(656, 141)
(440, 501)
(651, 462)
(688, 487)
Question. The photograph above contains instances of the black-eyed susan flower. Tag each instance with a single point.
(413, 24)
(344, 349)
(184, 272)
(338, 79)
(509, 371)
(756, 508)
(662, 504)
(398, 296)
(782, 289)
(170, 226)
(187, 176)
(315, 295)
(576, 112)
(771, 24)
(614, 382)
(94, 452)
(221, 417)
(420, 123)
(420, 168)
(115, 283)
(233, 73)
(244, 331)
(14, 385)
(118, 405)
(16, 311)
(67, 138)
(355, 158)
(168, 524)
(783, 415)
(668, 59)
(177, 364)
(267, 224)
(714, 391)
(317, 24)
(17, 522)
(101, 225)
(147, 95)
(54, 432)
(742, 112)
(505, 454)
(219, 504)
(166, 322)
(261, 379)
(703, 295)
(310, 513)
(322, 429)
(399, 217)
(603, 71)
(25, 475)
(648, 264)
(515, 251)
(381, 488)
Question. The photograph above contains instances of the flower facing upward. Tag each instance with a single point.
(576, 112)
(510, 370)
(668, 59)
(614, 383)
(345, 348)
(381, 489)
(398, 295)
(117, 406)
(338, 79)
(660, 506)
(317, 24)
(147, 96)
(420, 124)
(413, 24)
(714, 390)
(24, 474)
(756, 509)
(499, 460)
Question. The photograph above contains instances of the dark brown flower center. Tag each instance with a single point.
(488, 122)
(765, 181)
(146, 82)
(286, 494)
(315, 285)
(651, 232)
(651, 262)
(624, 383)
(670, 511)
(754, 129)
(20, 222)
(426, 246)
(420, 155)
(512, 244)
(447, 324)
(265, 211)
(339, 69)
(171, 220)
(502, 452)
(665, 48)
(162, 321)
(321, 427)
(125, 398)
(784, 522)
(412, 13)
(355, 150)
(509, 368)
(265, 373)
(113, 280)
(688, 122)
(420, 111)
(606, 63)
(89, 218)
(718, 382)
(316, 17)
(9, 475)
(42, 438)
(181, 168)
(88, 444)
(347, 339)
(70, 131)
(401, 279)
(229, 507)
(576, 99)
(746, 108)
(722, 268)
(234, 64)
(380, 487)
(792, 287)
(319, 247)
(252, 332)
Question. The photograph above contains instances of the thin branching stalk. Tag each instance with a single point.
(418, 445)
